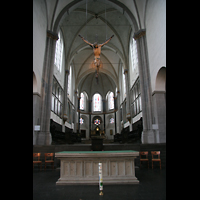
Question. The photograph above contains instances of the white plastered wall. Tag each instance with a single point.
(156, 37)
(39, 39)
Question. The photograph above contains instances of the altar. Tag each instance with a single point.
(81, 167)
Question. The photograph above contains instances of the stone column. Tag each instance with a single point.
(118, 112)
(65, 117)
(76, 109)
(104, 105)
(104, 117)
(145, 86)
(79, 98)
(44, 136)
(128, 111)
(116, 108)
(115, 103)
(159, 100)
(90, 112)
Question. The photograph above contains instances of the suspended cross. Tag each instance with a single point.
(97, 51)
(96, 47)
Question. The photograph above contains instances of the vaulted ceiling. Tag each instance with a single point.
(96, 21)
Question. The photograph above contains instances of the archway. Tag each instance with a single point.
(161, 79)
(159, 98)
(34, 83)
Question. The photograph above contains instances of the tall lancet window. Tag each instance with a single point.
(134, 54)
(69, 81)
(59, 52)
(97, 102)
(82, 101)
(124, 82)
(111, 101)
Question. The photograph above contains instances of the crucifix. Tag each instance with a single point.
(97, 51)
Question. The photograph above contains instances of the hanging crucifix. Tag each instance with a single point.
(97, 51)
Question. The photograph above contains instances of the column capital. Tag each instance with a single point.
(65, 117)
(125, 71)
(52, 35)
(67, 71)
(128, 116)
(139, 34)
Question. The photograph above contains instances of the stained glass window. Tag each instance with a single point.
(134, 55)
(111, 101)
(136, 99)
(57, 94)
(124, 83)
(112, 120)
(81, 120)
(69, 81)
(82, 101)
(97, 102)
(59, 52)
(97, 121)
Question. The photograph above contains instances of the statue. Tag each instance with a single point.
(97, 51)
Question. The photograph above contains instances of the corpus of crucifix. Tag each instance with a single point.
(97, 51)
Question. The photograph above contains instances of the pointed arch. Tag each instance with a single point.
(160, 84)
(97, 102)
(34, 83)
(110, 99)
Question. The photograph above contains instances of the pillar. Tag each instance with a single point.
(79, 98)
(118, 112)
(76, 109)
(104, 117)
(115, 107)
(65, 117)
(159, 100)
(145, 86)
(44, 135)
(128, 111)
(90, 112)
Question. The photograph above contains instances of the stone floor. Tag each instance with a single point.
(152, 186)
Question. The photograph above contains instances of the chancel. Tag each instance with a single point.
(104, 99)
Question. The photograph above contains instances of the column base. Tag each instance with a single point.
(65, 117)
(147, 137)
(128, 116)
(44, 138)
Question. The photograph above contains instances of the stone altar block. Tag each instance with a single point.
(81, 167)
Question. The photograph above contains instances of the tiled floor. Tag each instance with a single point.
(152, 186)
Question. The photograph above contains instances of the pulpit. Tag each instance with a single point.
(97, 140)
(97, 143)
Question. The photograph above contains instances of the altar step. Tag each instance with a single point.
(107, 147)
(90, 142)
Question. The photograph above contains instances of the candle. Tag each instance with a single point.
(100, 179)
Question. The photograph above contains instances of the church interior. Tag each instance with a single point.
(99, 98)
